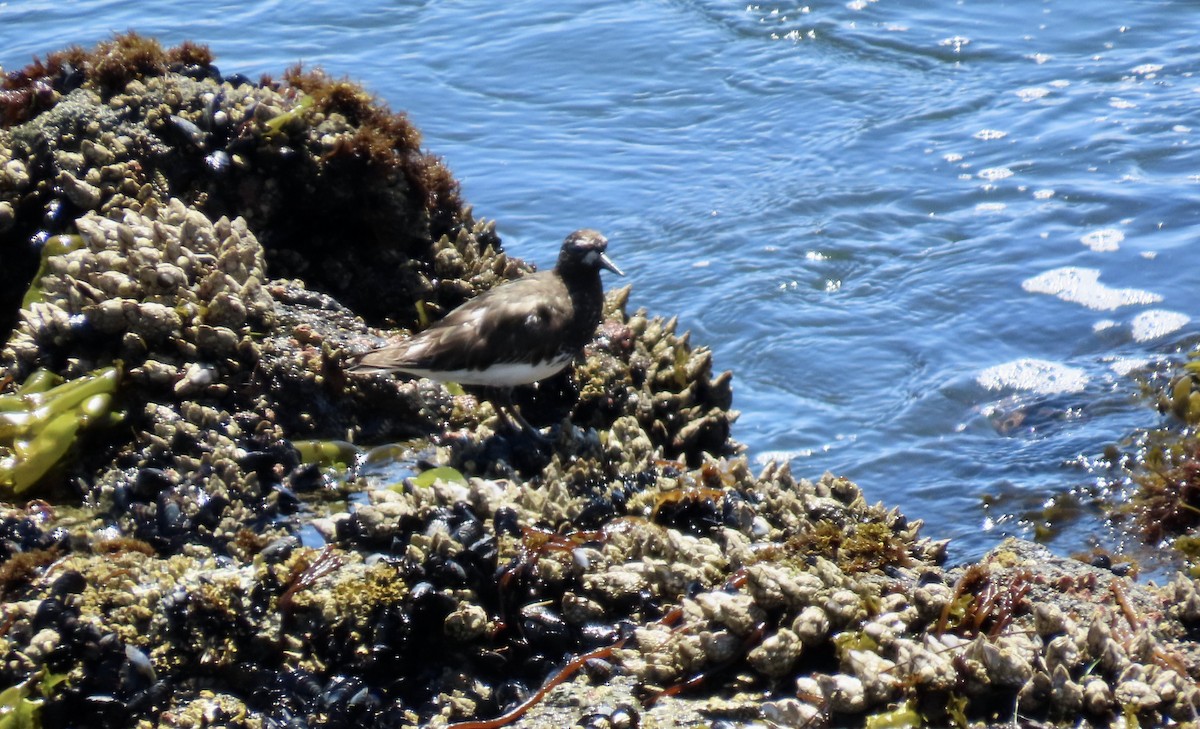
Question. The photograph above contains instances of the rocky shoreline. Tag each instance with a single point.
(191, 259)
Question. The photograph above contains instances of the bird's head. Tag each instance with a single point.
(583, 250)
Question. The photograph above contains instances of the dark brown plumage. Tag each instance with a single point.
(517, 333)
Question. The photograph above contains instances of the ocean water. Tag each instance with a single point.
(941, 244)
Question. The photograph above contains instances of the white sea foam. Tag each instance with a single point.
(992, 207)
(1082, 286)
(1123, 366)
(1156, 323)
(783, 456)
(1033, 375)
(1103, 240)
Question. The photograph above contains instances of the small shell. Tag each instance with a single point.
(155, 322)
(844, 608)
(719, 645)
(155, 373)
(735, 611)
(931, 599)
(1066, 696)
(777, 653)
(216, 341)
(791, 712)
(195, 378)
(845, 694)
(811, 625)
(466, 623)
(1049, 619)
(884, 628)
(1138, 696)
(577, 609)
(774, 586)
(111, 316)
(1062, 652)
(1097, 697)
(877, 673)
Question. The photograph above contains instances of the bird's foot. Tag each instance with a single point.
(521, 425)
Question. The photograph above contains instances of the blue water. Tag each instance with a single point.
(865, 209)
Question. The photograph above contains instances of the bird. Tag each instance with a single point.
(518, 333)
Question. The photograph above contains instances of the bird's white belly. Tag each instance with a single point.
(507, 374)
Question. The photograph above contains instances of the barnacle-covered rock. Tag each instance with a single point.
(1007, 661)
(1050, 620)
(774, 586)
(1186, 602)
(165, 312)
(844, 608)
(230, 242)
(737, 612)
(930, 662)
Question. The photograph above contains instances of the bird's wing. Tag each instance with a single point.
(513, 318)
(517, 318)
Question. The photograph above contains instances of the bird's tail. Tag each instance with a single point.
(371, 363)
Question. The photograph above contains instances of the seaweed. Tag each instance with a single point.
(20, 706)
(385, 142)
(857, 548)
(108, 68)
(39, 423)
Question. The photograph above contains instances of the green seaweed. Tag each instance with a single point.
(327, 452)
(855, 640)
(1129, 712)
(274, 127)
(40, 381)
(956, 709)
(901, 717)
(40, 422)
(19, 708)
(440, 473)
(54, 246)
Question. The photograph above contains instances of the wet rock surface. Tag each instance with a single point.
(226, 246)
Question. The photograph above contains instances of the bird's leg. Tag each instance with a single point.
(502, 399)
(505, 402)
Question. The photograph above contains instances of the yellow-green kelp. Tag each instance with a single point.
(20, 707)
(54, 246)
(39, 422)
(327, 452)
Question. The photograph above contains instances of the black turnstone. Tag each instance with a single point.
(517, 333)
